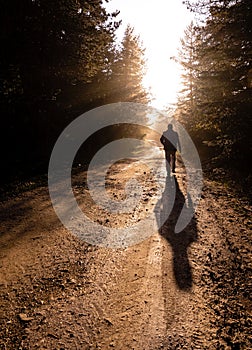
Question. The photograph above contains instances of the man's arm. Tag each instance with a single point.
(162, 140)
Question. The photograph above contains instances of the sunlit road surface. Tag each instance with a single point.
(160, 293)
(141, 275)
(139, 306)
(141, 289)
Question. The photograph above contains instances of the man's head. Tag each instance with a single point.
(170, 126)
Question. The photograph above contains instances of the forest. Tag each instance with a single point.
(216, 102)
(58, 60)
(61, 58)
(124, 250)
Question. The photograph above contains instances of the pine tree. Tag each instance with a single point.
(52, 55)
(128, 70)
(188, 60)
(223, 84)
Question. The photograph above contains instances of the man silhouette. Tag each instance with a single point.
(170, 141)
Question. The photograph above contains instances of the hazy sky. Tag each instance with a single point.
(161, 24)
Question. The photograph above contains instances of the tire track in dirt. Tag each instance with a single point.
(154, 330)
(168, 292)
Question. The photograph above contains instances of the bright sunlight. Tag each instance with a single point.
(160, 24)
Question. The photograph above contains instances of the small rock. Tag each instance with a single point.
(108, 321)
(25, 318)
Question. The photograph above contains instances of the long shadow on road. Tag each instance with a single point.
(179, 242)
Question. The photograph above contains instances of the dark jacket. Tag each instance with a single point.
(170, 141)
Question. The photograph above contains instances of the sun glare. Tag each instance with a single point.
(160, 24)
(163, 80)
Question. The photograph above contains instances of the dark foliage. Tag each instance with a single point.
(216, 103)
(56, 62)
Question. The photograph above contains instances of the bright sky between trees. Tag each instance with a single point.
(160, 24)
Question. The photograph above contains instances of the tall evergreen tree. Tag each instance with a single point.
(188, 60)
(52, 53)
(223, 86)
(128, 70)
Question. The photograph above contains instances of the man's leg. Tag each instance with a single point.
(173, 161)
(168, 160)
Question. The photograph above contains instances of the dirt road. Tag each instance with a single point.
(171, 291)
